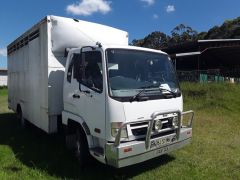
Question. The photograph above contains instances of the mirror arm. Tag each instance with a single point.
(80, 89)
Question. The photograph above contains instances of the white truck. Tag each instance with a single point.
(121, 104)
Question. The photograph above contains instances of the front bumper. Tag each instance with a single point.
(128, 153)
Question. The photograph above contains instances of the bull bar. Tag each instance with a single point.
(150, 125)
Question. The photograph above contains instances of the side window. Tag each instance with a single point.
(69, 71)
(74, 64)
(77, 66)
(87, 70)
(91, 73)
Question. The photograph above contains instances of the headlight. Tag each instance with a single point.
(158, 125)
(175, 121)
(115, 128)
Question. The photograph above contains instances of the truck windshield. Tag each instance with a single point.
(131, 71)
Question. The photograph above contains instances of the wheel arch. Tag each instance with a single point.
(72, 122)
(18, 108)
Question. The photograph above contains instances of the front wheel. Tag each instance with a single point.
(81, 148)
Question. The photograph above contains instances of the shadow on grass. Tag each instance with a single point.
(38, 150)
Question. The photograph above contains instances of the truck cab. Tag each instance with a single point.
(127, 101)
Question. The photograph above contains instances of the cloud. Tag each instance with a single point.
(3, 52)
(88, 7)
(155, 16)
(170, 8)
(149, 2)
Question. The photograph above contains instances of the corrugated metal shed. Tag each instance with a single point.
(3, 77)
(218, 54)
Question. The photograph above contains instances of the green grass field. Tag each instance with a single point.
(213, 154)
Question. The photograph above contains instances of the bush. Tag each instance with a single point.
(3, 87)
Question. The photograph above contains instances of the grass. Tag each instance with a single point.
(213, 154)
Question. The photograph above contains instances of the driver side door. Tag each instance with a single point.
(88, 73)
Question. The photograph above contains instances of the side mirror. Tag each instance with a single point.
(66, 52)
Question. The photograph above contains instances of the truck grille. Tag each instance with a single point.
(140, 129)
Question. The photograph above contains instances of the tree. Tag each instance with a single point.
(155, 40)
(230, 29)
(182, 33)
(201, 35)
(137, 42)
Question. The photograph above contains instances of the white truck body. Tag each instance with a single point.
(121, 126)
(36, 65)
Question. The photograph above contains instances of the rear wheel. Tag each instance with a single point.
(20, 116)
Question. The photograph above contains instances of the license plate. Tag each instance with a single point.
(156, 143)
(161, 151)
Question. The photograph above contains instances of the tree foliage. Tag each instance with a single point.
(230, 29)
(155, 40)
(182, 33)
(158, 40)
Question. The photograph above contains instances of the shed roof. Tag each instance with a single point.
(3, 70)
(202, 46)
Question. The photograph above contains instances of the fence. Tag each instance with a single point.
(203, 76)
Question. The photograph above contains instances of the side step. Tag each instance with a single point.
(98, 153)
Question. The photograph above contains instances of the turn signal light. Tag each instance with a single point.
(127, 150)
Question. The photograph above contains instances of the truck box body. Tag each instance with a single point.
(36, 65)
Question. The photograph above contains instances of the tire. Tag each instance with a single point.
(81, 148)
(20, 117)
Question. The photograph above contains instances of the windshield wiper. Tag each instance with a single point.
(145, 89)
(171, 92)
(136, 97)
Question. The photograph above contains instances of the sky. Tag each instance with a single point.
(138, 17)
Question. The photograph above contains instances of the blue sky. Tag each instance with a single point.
(138, 17)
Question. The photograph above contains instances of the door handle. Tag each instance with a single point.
(86, 91)
(76, 96)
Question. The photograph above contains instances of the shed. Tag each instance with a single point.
(3, 77)
(216, 57)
